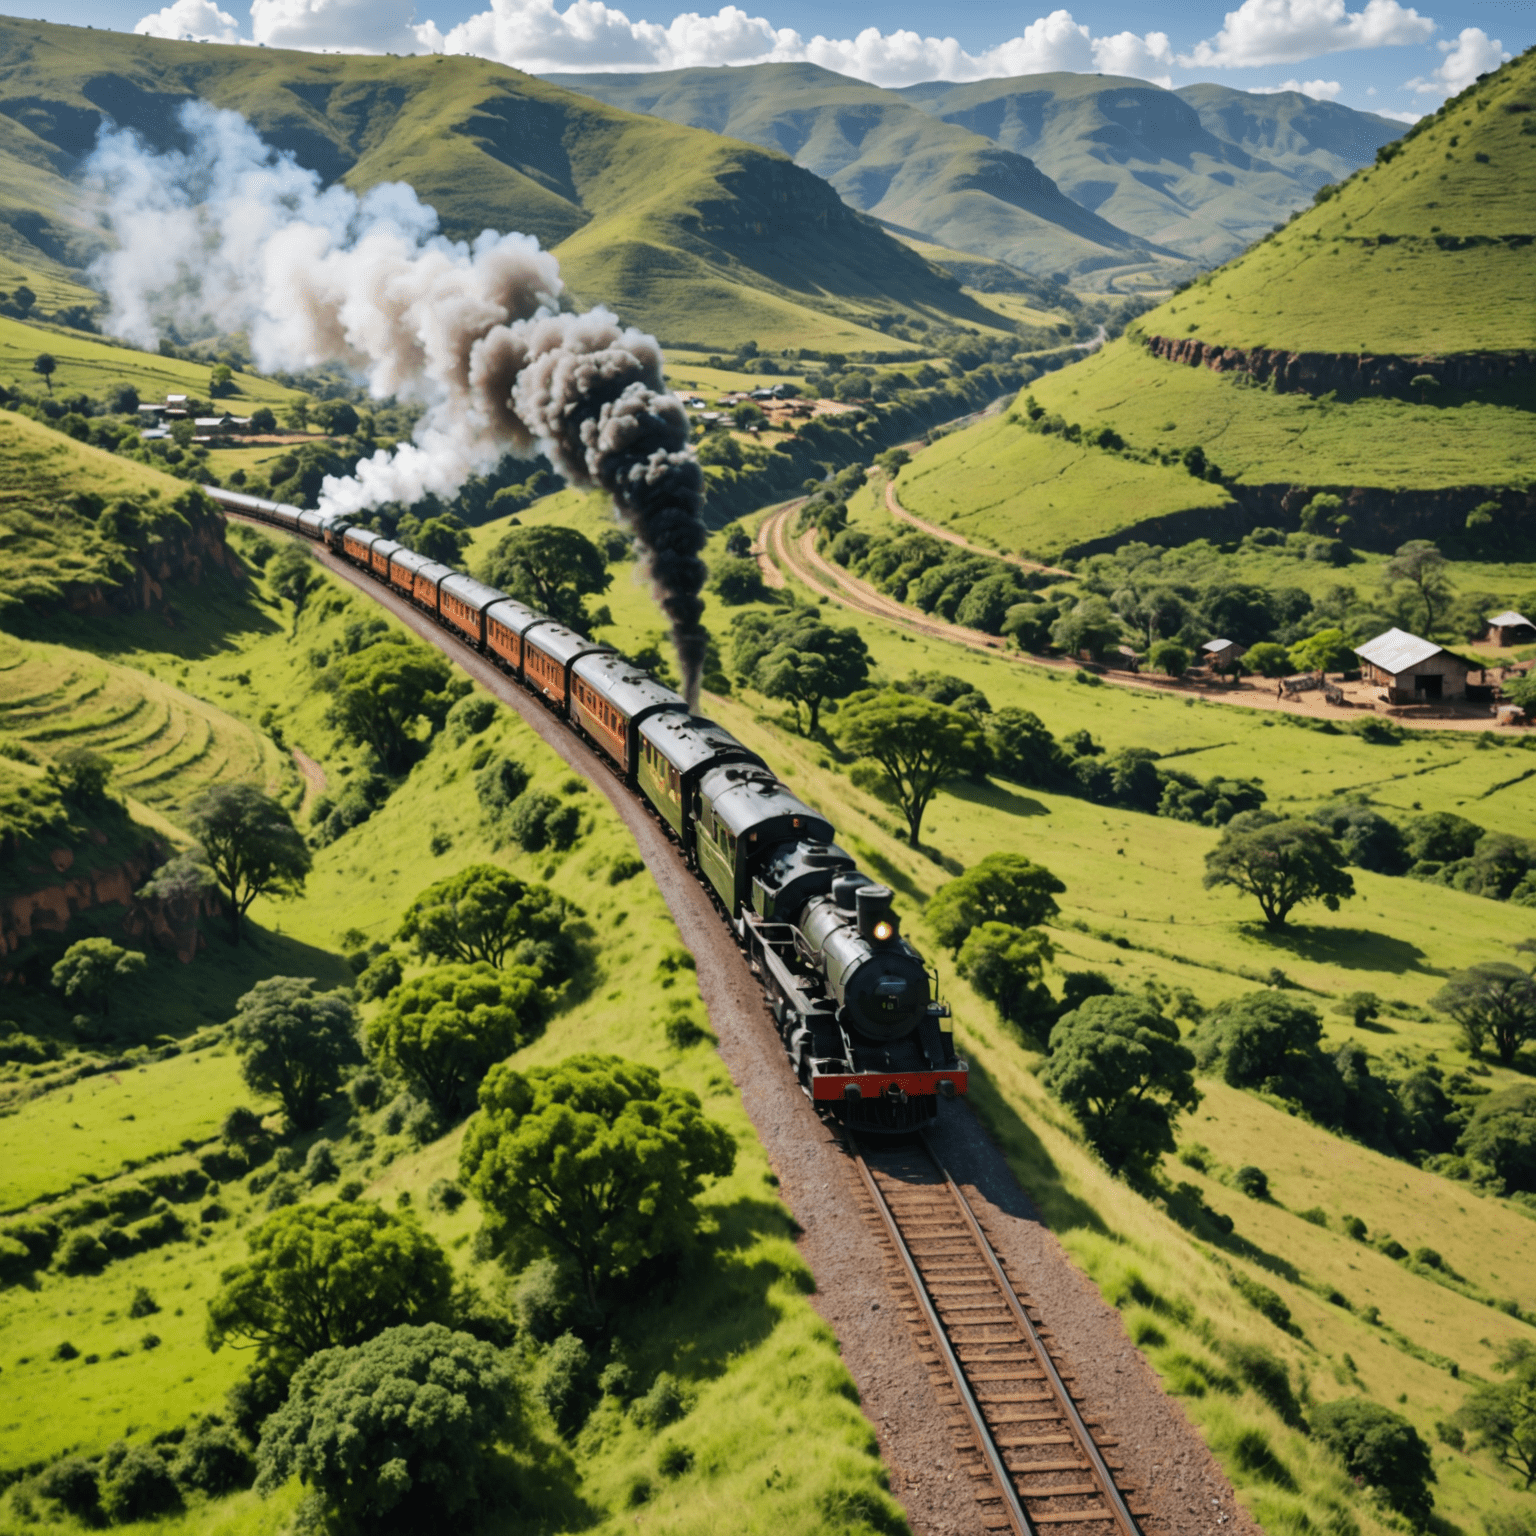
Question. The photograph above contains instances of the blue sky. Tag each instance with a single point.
(1379, 55)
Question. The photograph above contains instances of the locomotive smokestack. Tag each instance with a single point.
(232, 236)
(877, 922)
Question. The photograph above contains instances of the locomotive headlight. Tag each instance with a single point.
(883, 930)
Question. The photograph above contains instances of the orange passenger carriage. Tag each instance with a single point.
(548, 652)
(461, 604)
(403, 566)
(609, 699)
(429, 578)
(506, 622)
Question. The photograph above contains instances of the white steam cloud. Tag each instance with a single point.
(230, 235)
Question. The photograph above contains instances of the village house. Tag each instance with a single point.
(1222, 655)
(1412, 671)
(1510, 628)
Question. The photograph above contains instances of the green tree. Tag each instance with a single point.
(552, 569)
(1268, 659)
(1382, 1450)
(295, 1043)
(1023, 749)
(593, 1159)
(380, 693)
(325, 1277)
(221, 381)
(1090, 628)
(443, 538)
(1004, 965)
(396, 1434)
(1328, 650)
(1267, 1040)
(263, 420)
(444, 1030)
(1321, 514)
(1491, 1001)
(748, 414)
(737, 581)
(81, 777)
(911, 748)
(1522, 691)
(46, 364)
(999, 888)
(1421, 565)
(1170, 657)
(293, 575)
(799, 657)
(1502, 1414)
(486, 913)
(92, 968)
(1282, 863)
(251, 844)
(1117, 1064)
(1502, 1136)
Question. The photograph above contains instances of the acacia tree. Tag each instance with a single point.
(1423, 567)
(485, 913)
(252, 846)
(443, 1031)
(799, 657)
(396, 1434)
(552, 569)
(593, 1159)
(1502, 1414)
(1000, 888)
(1282, 863)
(322, 1276)
(91, 968)
(46, 364)
(1117, 1064)
(295, 1043)
(912, 747)
(1494, 1000)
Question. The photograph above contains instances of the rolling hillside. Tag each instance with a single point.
(692, 236)
(1204, 170)
(916, 173)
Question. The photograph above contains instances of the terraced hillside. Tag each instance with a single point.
(1379, 349)
(695, 237)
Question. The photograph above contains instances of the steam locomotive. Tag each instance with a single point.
(855, 1004)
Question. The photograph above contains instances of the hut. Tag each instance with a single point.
(1510, 628)
(1222, 655)
(1410, 670)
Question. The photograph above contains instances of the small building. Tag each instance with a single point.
(1412, 671)
(1222, 655)
(1510, 628)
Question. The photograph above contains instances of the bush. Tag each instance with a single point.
(143, 1304)
(320, 1167)
(72, 1485)
(541, 821)
(665, 1403)
(564, 1382)
(380, 977)
(1265, 1302)
(138, 1486)
(214, 1460)
(82, 1254)
(1265, 1373)
(15, 1261)
(1253, 1182)
(1381, 1449)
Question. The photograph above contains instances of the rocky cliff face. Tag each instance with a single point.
(1348, 373)
(183, 556)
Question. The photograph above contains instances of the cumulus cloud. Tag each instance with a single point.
(346, 26)
(1318, 90)
(199, 20)
(1473, 53)
(1264, 32)
(536, 36)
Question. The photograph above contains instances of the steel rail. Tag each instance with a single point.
(1119, 1509)
(989, 1448)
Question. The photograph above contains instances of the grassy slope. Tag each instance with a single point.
(693, 236)
(886, 158)
(764, 1367)
(1325, 284)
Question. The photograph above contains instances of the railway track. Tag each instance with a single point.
(1034, 1459)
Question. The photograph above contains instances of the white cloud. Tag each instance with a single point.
(1318, 90)
(197, 19)
(1263, 32)
(536, 36)
(1398, 117)
(346, 26)
(1472, 54)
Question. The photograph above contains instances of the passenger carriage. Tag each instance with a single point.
(549, 652)
(675, 752)
(462, 602)
(428, 579)
(403, 566)
(610, 698)
(743, 814)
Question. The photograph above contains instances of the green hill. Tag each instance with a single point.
(692, 236)
(914, 172)
(1204, 170)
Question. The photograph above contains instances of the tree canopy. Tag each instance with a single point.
(91, 968)
(552, 569)
(999, 888)
(1501, 1135)
(1088, 629)
(485, 913)
(380, 691)
(800, 657)
(250, 843)
(293, 575)
(395, 1434)
(1502, 1414)
(593, 1159)
(295, 1043)
(1117, 1064)
(911, 746)
(1281, 862)
(444, 1030)
(1382, 1450)
(1266, 1040)
(1005, 964)
(322, 1276)
(1494, 1001)
(1421, 565)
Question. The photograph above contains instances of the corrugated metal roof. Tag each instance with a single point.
(1397, 650)
(1215, 645)
(1509, 617)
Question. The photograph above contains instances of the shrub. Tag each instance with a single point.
(214, 1460)
(564, 1382)
(541, 821)
(73, 1486)
(15, 1261)
(320, 1167)
(1381, 1449)
(81, 1254)
(1253, 1182)
(1265, 1302)
(1265, 1373)
(675, 1460)
(143, 1304)
(665, 1403)
(138, 1486)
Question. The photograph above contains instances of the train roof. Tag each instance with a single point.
(475, 593)
(365, 536)
(563, 644)
(388, 548)
(409, 560)
(310, 521)
(434, 570)
(747, 798)
(632, 692)
(518, 617)
(690, 742)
